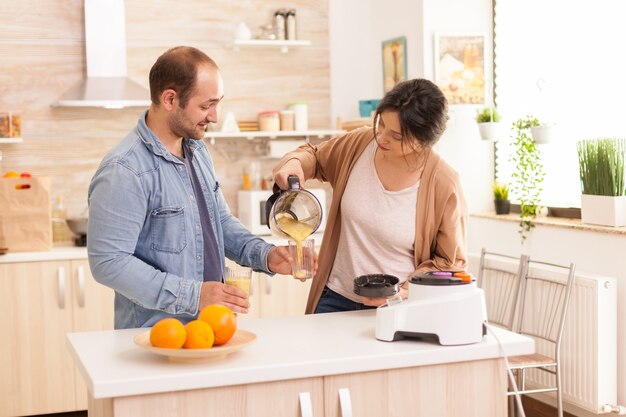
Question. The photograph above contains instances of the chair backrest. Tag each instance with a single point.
(545, 293)
(500, 276)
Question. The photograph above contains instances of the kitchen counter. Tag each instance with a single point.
(286, 348)
(59, 253)
(62, 253)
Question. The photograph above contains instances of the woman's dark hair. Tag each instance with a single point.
(422, 109)
(176, 69)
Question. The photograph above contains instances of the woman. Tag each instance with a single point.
(397, 208)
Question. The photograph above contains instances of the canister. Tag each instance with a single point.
(301, 115)
(10, 125)
(287, 120)
(269, 121)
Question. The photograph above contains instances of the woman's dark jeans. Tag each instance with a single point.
(331, 302)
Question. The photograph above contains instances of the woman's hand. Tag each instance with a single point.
(377, 302)
(292, 167)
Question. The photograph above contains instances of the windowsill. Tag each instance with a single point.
(575, 224)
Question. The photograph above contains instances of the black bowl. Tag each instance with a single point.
(376, 285)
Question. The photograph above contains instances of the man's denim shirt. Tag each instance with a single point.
(145, 238)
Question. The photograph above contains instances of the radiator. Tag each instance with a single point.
(589, 346)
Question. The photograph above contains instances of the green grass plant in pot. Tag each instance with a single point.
(501, 198)
(488, 121)
(528, 175)
(601, 163)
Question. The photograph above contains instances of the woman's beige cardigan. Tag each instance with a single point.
(441, 212)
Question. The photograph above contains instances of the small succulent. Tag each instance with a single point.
(488, 114)
(500, 191)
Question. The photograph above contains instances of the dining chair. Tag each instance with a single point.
(500, 276)
(544, 299)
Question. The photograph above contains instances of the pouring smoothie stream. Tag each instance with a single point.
(294, 213)
(298, 231)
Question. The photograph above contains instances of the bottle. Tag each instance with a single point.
(291, 24)
(279, 23)
(60, 231)
(301, 115)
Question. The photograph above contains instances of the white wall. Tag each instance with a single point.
(357, 29)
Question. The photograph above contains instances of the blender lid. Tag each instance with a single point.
(376, 285)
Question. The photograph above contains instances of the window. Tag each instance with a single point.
(563, 62)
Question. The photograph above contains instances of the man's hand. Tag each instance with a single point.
(279, 261)
(292, 167)
(213, 292)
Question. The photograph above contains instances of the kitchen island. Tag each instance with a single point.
(317, 365)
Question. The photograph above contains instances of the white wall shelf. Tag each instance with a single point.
(306, 134)
(11, 140)
(283, 45)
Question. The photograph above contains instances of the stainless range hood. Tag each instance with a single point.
(106, 84)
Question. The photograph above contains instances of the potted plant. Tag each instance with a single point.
(543, 133)
(501, 198)
(488, 123)
(528, 174)
(601, 163)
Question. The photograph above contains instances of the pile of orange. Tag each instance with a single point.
(216, 325)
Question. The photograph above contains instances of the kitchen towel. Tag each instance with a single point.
(25, 214)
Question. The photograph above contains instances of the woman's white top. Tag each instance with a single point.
(377, 228)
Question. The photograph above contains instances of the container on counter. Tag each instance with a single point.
(10, 125)
(269, 121)
(301, 115)
(291, 24)
(287, 120)
(60, 229)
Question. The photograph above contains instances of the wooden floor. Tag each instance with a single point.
(534, 408)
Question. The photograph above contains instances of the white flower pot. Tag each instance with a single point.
(489, 130)
(542, 134)
(603, 210)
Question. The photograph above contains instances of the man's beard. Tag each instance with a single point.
(181, 127)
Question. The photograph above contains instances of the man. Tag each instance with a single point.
(159, 227)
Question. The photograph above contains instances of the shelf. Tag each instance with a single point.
(273, 135)
(284, 45)
(11, 140)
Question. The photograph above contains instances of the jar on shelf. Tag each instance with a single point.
(279, 23)
(10, 125)
(301, 115)
(290, 25)
(269, 121)
(287, 120)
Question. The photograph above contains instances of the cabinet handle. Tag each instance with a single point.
(61, 282)
(306, 408)
(268, 285)
(80, 273)
(345, 402)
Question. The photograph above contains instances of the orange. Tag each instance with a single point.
(12, 174)
(222, 320)
(168, 333)
(199, 335)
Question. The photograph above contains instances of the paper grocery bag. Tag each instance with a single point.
(25, 214)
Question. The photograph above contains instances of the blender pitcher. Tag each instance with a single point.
(294, 213)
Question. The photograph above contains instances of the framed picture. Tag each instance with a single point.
(394, 62)
(460, 67)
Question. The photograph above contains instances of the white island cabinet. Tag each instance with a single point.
(322, 365)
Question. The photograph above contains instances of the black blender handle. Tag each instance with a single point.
(294, 182)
